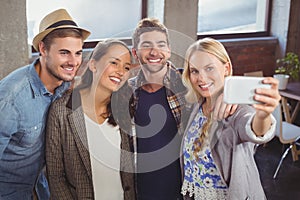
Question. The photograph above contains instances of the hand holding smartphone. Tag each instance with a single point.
(241, 89)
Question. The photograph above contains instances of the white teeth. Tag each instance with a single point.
(156, 60)
(115, 79)
(68, 68)
(205, 86)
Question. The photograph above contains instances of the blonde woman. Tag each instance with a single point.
(217, 159)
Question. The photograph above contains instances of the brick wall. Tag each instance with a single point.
(252, 54)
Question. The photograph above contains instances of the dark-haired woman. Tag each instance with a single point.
(87, 155)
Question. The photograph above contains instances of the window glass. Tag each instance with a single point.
(218, 17)
(232, 16)
(104, 18)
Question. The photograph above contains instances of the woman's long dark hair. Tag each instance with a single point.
(87, 78)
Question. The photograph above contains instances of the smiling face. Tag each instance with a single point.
(62, 59)
(152, 51)
(207, 73)
(111, 71)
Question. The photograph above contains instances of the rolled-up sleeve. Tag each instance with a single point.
(261, 139)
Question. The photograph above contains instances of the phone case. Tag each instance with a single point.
(241, 89)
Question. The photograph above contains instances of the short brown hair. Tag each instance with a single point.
(61, 33)
(148, 25)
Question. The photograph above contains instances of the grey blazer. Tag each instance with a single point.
(232, 144)
(67, 157)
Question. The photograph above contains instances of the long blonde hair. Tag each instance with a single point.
(215, 48)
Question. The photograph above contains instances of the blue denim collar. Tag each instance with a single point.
(37, 86)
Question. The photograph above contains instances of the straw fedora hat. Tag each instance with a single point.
(56, 20)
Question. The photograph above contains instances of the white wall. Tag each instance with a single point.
(280, 24)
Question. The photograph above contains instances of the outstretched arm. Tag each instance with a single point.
(269, 99)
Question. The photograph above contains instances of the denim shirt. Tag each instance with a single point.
(24, 103)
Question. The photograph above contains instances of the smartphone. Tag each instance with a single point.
(241, 89)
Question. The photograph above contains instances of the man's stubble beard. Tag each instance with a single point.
(55, 74)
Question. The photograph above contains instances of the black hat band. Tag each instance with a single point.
(61, 23)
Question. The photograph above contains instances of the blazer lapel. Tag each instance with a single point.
(77, 124)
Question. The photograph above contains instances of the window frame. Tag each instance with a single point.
(244, 35)
(144, 6)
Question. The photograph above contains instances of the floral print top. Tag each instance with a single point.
(201, 177)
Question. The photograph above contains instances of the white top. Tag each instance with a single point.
(104, 146)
